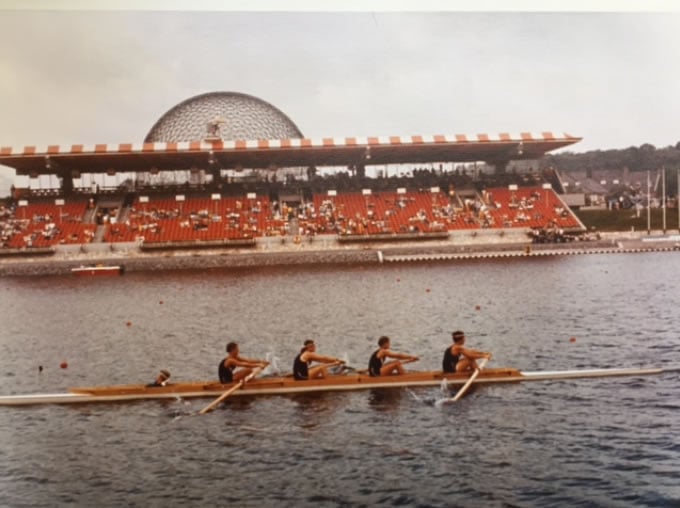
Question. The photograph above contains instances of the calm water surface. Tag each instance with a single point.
(601, 442)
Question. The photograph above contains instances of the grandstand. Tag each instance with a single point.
(195, 220)
(212, 208)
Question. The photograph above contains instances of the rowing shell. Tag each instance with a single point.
(98, 270)
(287, 385)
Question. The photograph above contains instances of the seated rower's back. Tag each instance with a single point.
(302, 365)
(458, 358)
(377, 364)
(227, 368)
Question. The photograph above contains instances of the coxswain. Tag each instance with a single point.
(458, 358)
(227, 369)
(161, 379)
(301, 366)
(377, 366)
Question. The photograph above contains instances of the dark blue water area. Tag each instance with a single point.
(610, 442)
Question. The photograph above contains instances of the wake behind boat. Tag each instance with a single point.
(288, 385)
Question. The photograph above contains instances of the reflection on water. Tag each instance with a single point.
(386, 400)
(313, 410)
(239, 403)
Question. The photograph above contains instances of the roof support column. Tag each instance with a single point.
(67, 183)
(216, 177)
(500, 166)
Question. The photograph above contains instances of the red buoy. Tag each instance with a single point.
(572, 339)
(63, 365)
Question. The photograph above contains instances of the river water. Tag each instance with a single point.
(599, 442)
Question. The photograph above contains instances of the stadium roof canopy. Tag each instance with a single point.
(271, 154)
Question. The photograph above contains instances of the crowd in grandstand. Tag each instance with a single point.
(168, 219)
(44, 225)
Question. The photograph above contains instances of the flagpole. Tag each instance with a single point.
(663, 197)
(649, 204)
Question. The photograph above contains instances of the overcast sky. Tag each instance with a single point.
(71, 77)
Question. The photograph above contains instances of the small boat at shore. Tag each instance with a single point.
(98, 269)
(288, 385)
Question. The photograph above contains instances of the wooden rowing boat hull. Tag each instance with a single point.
(287, 385)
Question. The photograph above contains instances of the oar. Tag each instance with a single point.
(467, 384)
(365, 371)
(334, 364)
(404, 362)
(231, 390)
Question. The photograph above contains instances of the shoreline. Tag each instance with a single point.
(323, 251)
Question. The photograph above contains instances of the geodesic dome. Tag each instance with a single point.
(241, 117)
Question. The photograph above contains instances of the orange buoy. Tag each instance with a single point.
(63, 365)
(572, 339)
(129, 323)
(161, 302)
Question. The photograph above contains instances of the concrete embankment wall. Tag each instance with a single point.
(322, 249)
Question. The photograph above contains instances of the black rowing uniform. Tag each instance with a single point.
(375, 364)
(450, 360)
(300, 368)
(225, 373)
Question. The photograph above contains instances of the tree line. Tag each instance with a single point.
(645, 157)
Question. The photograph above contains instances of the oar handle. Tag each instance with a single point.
(365, 371)
(231, 390)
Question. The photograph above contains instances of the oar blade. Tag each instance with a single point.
(231, 390)
(465, 387)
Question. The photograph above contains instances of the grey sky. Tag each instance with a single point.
(105, 77)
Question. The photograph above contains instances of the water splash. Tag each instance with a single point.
(273, 368)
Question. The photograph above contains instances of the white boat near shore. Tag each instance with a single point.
(98, 269)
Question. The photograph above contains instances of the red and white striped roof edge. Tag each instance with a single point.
(273, 144)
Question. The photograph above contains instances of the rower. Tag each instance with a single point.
(458, 358)
(307, 355)
(227, 368)
(377, 365)
(161, 379)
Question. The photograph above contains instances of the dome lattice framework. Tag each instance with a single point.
(244, 117)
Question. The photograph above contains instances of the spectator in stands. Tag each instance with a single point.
(458, 358)
(302, 365)
(377, 365)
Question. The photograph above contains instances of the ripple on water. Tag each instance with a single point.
(607, 442)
